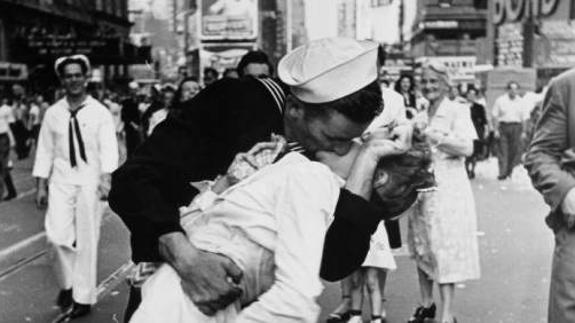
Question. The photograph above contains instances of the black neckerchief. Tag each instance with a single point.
(76, 129)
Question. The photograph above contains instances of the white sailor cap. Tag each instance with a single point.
(81, 59)
(328, 69)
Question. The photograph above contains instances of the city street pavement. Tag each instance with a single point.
(515, 248)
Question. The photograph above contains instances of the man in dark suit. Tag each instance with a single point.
(230, 116)
(550, 161)
(132, 121)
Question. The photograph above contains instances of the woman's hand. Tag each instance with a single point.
(383, 142)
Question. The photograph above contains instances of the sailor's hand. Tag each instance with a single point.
(210, 280)
(41, 193)
(41, 198)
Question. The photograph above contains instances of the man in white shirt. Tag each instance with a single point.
(508, 116)
(6, 141)
(77, 152)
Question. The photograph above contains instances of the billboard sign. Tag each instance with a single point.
(459, 68)
(229, 19)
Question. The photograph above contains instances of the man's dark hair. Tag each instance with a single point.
(397, 87)
(69, 61)
(178, 94)
(211, 70)
(360, 107)
(256, 57)
(228, 71)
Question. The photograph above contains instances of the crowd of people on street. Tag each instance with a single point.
(241, 191)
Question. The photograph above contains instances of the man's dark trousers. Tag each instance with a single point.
(509, 147)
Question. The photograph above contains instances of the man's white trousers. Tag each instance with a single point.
(73, 228)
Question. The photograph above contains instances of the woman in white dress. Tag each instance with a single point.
(442, 228)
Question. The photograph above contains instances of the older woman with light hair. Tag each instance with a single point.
(442, 228)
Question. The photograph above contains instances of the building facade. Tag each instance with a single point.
(534, 34)
(453, 33)
(450, 28)
(33, 33)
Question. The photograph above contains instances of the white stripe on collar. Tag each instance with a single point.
(276, 92)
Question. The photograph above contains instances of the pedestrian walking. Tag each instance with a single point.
(131, 118)
(479, 119)
(34, 120)
(20, 128)
(405, 86)
(189, 87)
(210, 76)
(550, 161)
(10, 187)
(7, 142)
(372, 276)
(148, 189)
(442, 227)
(508, 118)
(159, 110)
(255, 63)
(77, 152)
(230, 73)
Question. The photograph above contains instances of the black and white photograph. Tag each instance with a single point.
(287, 161)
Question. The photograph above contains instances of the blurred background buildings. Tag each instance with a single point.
(33, 33)
(167, 39)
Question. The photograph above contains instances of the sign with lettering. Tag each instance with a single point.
(229, 19)
(516, 10)
(459, 68)
(50, 48)
(439, 24)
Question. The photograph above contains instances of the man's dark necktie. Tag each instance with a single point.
(74, 124)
